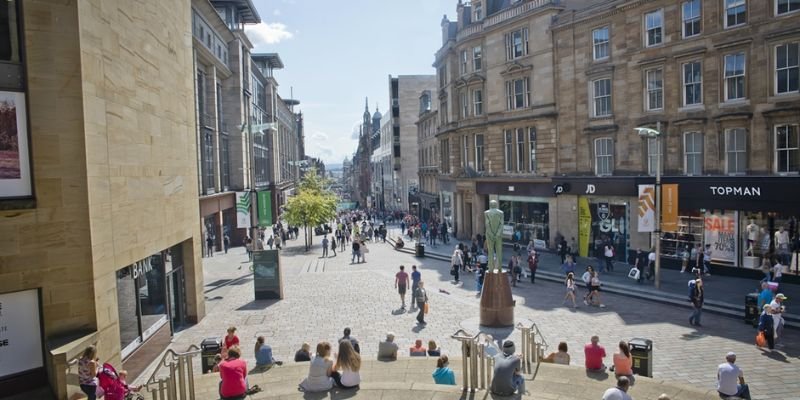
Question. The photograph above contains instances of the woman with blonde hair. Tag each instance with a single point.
(349, 363)
(87, 372)
(433, 349)
(319, 371)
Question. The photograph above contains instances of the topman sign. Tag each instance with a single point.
(751, 191)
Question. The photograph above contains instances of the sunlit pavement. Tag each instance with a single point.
(322, 296)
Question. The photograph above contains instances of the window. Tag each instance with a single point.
(691, 18)
(477, 102)
(443, 76)
(225, 162)
(532, 148)
(653, 155)
(476, 58)
(445, 156)
(603, 156)
(464, 151)
(464, 104)
(787, 68)
(516, 44)
(208, 161)
(787, 150)
(655, 89)
(600, 43)
(478, 11)
(601, 91)
(443, 113)
(463, 68)
(786, 6)
(654, 25)
(735, 151)
(509, 150)
(734, 76)
(520, 149)
(693, 153)
(517, 94)
(735, 13)
(692, 83)
(479, 153)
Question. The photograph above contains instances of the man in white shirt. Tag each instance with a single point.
(730, 379)
(777, 315)
(620, 392)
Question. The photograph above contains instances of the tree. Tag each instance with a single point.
(313, 205)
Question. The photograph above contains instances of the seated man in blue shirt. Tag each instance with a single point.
(264, 354)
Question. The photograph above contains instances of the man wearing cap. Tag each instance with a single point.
(507, 377)
(777, 314)
(730, 379)
(388, 350)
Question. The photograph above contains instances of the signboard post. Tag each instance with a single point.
(264, 208)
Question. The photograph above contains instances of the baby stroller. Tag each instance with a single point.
(113, 387)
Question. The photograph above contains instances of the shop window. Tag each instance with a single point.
(693, 153)
(787, 150)
(691, 18)
(735, 151)
(509, 150)
(604, 156)
(142, 300)
(601, 95)
(525, 219)
(479, 153)
(609, 226)
(688, 236)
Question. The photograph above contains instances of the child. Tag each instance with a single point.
(217, 361)
(123, 378)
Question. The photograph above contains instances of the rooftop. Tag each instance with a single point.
(271, 60)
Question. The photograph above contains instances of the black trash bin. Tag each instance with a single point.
(209, 348)
(751, 311)
(420, 250)
(642, 356)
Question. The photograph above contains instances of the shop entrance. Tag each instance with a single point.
(176, 287)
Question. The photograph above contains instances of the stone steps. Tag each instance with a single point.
(410, 378)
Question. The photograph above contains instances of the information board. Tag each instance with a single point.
(20, 332)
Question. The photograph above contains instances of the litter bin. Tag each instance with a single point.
(209, 348)
(642, 356)
(420, 250)
(751, 311)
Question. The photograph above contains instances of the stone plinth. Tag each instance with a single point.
(497, 305)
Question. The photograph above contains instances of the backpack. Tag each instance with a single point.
(692, 285)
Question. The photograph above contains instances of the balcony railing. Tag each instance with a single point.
(469, 31)
(516, 11)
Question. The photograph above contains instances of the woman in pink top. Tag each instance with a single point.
(233, 372)
(623, 362)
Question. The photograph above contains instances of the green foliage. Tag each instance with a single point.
(313, 205)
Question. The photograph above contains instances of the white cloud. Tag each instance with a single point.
(331, 150)
(267, 33)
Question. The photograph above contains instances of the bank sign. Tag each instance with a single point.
(20, 333)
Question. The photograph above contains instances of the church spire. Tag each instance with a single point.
(366, 104)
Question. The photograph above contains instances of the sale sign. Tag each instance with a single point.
(721, 231)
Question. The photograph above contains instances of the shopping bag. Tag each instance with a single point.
(634, 273)
(427, 308)
(761, 340)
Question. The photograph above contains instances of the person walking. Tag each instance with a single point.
(363, 251)
(416, 276)
(513, 265)
(608, 252)
(356, 252)
(422, 300)
(587, 281)
(570, 285)
(325, 243)
(210, 245)
(333, 245)
(456, 262)
(594, 286)
(226, 242)
(401, 284)
(278, 241)
(697, 303)
(766, 326)
(685, 255)
(533, 264)
(707, 260)
(88, 365)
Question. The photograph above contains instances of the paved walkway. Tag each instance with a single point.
(323, 295)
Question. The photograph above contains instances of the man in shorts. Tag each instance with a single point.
(401, 284)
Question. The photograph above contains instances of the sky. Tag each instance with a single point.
(337, 52)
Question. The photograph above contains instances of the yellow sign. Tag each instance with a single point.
(669, 207)
(584, 226)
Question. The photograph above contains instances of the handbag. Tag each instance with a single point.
(634, 273)
(761, 340)
(427, 308)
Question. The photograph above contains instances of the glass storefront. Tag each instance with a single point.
(609, 225)
(447, 208)
(525, 218)
(147, 300)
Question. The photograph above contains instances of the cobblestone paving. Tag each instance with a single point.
(322, 296)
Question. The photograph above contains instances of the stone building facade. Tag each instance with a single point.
(428, 154)
(112, 219)
(497, 115)
(719, 80)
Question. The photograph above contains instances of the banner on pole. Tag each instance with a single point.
(242, 209)
(584, 226)
(669, 207)
(647, 208)
(264, 208)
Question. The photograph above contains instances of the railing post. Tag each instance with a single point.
(173, 395)
(465, 363)
(473, 364)
(190, 370)
(182, 377)
(482, 355)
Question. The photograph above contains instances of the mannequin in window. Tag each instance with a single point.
(752, 231)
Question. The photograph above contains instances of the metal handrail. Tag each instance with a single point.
(532, 349)
(180, 379)
(190, 351)
(477, 367)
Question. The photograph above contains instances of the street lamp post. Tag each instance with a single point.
(656, 134)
